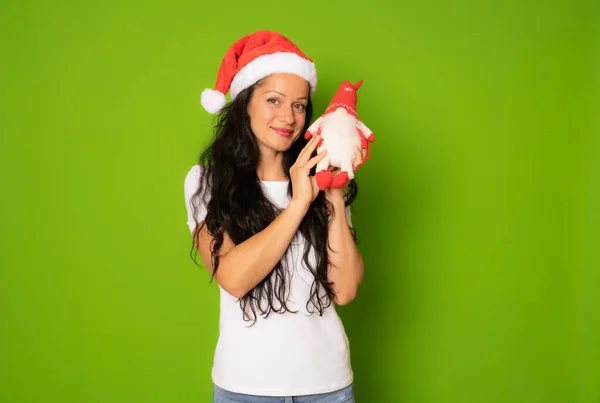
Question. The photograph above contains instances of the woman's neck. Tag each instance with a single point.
(270, 167)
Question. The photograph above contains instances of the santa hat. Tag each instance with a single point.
(345, 97)
(252, 58)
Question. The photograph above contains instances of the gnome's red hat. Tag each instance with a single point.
(345, 97)
(252, 58)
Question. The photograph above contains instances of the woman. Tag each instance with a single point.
(281, 250)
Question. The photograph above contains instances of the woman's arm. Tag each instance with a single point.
(346, 266)
(243, 266)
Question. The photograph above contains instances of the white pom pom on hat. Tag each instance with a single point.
(252, 58)
(212, 100)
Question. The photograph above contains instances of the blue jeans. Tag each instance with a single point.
(345, 395)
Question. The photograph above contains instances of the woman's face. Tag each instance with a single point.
(277, 111)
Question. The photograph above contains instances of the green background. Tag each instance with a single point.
(478, 214)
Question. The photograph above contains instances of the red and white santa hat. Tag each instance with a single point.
(345, 97)
(252, 58)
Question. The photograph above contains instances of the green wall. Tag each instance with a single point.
(478, 214)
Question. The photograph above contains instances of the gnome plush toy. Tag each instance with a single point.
(340, 129)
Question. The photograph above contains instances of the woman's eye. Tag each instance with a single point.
(273, 100)
(300, 107)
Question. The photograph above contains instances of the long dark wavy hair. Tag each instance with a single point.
(236, 205)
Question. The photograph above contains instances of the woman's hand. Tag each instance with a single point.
(359, 160)
(304, 186)
(361, 157)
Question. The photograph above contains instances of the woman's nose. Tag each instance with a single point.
(287, 115)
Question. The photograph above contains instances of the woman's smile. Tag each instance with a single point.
(283, 131)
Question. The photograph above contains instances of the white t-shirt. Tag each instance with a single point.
(288, 354)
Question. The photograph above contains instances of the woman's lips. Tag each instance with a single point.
(282, 132)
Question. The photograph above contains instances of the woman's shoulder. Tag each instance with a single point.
(196, 210)
(194, 171)
(193, 175)
(192, 179)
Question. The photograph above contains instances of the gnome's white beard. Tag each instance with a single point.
(339, 134)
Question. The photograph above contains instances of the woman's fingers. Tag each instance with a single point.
(315, 160)
(360, 158)
(308, 150)
(303, 151)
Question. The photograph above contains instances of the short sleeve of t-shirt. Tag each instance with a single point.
(191, 183)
